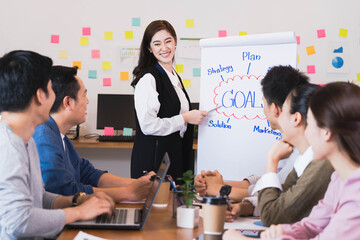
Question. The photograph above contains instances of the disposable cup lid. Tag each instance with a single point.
(214, 200)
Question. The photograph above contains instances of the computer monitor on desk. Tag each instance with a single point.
(115, 110)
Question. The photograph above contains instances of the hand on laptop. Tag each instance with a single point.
(139, 188)
(98, 203)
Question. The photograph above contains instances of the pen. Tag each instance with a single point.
(172, 183)
(214, 108)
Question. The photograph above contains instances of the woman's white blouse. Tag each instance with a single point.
(147, 107)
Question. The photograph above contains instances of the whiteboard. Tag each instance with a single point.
(235, 138)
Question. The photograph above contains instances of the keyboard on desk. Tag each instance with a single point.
(119, 217)
(117, 138)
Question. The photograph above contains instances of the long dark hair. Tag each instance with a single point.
(300, 98)
(146, 58)
(336, 106)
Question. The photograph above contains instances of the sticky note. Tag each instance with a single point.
(84, 40)
(222, 33)
(310, 50)
(311, 69)
(55, 38)
(129, 35)
(63, 54)
(86, 31)
(242, 33)
(196, 72)
(358, 77)
(135, 22)
(186, 82)
(106, 65)
(95, 53)
(321, 33)
(108, 35)
(179, 68)
(298, 40)
(92, 74)
(106, 82)
(343, 32)
(298, 58)
(124, 75)
(127, 131)
(108, 131)
(189, 23)
(78, 64)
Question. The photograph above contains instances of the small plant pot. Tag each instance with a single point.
(187, 217)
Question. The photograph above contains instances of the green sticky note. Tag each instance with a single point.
(135, 22)
(127, 131)
(92, 74)
(196, 72)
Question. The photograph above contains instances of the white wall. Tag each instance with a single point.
(29, 24)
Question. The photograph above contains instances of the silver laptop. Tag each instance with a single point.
(129, 218)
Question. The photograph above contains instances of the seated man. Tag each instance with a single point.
(63, 170)
(276, 85)
(26, 209)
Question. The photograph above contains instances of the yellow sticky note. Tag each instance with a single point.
(310, 50)
(343, 32)
(189, 23)
(108, 35)
(63, 54)
(106, 65)
(298, 58)
(242, 33)
(78, 64)
(186, 82)
(124, 75)
(358, 77)
(84, 40)
(129, 35)
(179, 68)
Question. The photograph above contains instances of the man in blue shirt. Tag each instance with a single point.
(63, 170)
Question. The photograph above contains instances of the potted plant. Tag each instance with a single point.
(187, 215)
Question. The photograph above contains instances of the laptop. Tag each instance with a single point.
(129, 218)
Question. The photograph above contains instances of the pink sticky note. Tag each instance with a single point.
(55, 38)
(108, 131)
(321, 33)
(106, 82)
(311, 69)
(222, 33)
(86, 31)
(298, 40)
(95, 53)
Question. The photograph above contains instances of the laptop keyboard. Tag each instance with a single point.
(119, 217)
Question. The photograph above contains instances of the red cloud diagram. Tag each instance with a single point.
(240, 97)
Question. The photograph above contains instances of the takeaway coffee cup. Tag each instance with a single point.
(214, 208)
(162, 197)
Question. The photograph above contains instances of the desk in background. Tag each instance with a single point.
(159, 225)
(82, 142)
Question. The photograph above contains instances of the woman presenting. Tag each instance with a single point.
(162, 106)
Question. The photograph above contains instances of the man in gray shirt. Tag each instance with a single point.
(26, 209)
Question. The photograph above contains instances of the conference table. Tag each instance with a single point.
(160, 225)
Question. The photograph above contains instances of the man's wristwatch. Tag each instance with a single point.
(76, 198)
(225, 190)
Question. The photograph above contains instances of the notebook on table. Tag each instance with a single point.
(129, 218)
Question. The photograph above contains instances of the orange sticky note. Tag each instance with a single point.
(358, 77)
(95, 53)
(63, 54)
(124, 75)
(106, 82)
(78, 64)
(179, 68)
(129, 35)
(106, 65)
(222, 33)
(84, 40)
(55, 39)
(189, 23)
(186, 82)
(343, 32)
(310, 50)
(311, 69)
(242, 33)
(108, 131)
(108, 35)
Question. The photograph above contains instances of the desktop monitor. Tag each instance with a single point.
(115, 110)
